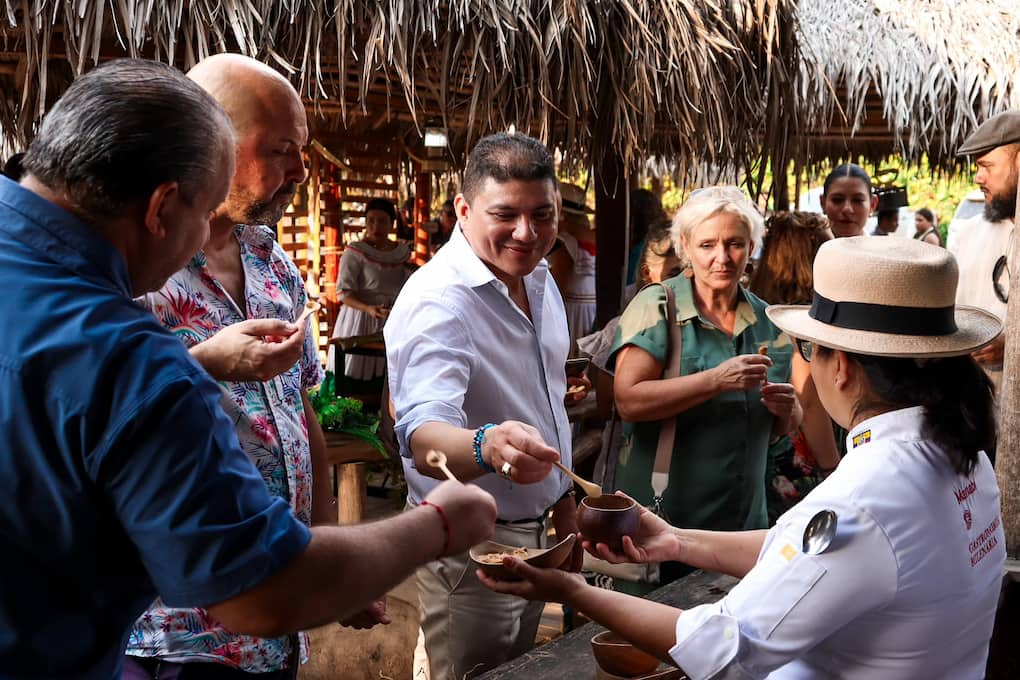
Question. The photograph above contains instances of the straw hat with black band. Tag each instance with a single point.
(574, 200)
(887, 297)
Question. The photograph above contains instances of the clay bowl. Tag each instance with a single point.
(607, 519)
(618, 657)
(543, 558)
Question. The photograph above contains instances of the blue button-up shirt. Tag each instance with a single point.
(121, 476)
(461, 352)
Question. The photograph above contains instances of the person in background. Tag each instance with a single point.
(572, 263)
(887, 222)
(372, 272)
(847, 200)
(405, 221)
(125, 476)
(237, 287)
(926, 228)
(441, 228)
(797, 463)
(645, 210)
(730, 400)
(985, 247)
(909, 585)
(476, 346)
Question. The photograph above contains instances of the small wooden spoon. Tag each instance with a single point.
(311, 307)
(590, 488)
(437, 459)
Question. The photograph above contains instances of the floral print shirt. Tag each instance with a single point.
(270, 422)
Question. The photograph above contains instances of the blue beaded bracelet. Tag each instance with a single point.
(477, 446)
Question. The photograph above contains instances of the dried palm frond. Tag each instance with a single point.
(912, 78)
(698, 80)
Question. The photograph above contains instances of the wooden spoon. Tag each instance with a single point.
(590, 488)
(311, 307)
(437, 459)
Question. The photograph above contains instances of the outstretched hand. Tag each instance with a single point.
(655, 541)
(368, 617)
(254, 350)
(520, 445)
(555, 584)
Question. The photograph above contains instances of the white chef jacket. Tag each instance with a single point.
(907, 589)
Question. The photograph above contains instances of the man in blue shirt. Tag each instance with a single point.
(123, 478)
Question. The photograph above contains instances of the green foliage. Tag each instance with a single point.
(344, 414)
(925, 188)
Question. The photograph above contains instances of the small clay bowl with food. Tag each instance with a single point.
(618, 657)
(607, 519)
(488, 557)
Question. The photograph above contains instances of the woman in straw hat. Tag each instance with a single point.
(908, 586)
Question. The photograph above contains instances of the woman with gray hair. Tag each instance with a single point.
(732, 396)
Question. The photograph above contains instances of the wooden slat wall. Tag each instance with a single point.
(329, 212)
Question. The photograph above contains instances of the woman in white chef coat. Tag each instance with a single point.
(908, 586)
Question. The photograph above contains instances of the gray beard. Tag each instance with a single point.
(264, 213)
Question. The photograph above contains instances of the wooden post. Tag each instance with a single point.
(353, 488)
(1007, 456)
(422, 201)
(612, 213)
(313, 284)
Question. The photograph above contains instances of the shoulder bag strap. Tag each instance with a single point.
(667, 429)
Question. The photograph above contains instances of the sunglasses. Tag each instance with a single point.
(1000, 284)
(806, 349)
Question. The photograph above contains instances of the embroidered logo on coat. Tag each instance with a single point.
(862, 438)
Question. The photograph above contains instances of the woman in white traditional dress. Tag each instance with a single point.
(372, 271)
(572, 263)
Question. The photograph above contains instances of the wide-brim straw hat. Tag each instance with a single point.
(892, 297)
(574, 199)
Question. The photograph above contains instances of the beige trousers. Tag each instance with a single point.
(468, 628)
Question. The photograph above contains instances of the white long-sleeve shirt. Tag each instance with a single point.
(459, 351)
(907, 589)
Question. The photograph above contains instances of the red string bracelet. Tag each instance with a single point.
(446, 525)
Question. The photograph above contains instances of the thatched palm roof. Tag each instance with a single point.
(910, 77)
(694, 79)
(701, 83)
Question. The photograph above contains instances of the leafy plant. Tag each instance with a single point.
(344, 414)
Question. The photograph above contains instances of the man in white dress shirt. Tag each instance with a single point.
(476, 345)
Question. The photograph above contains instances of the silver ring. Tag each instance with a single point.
(506, 470)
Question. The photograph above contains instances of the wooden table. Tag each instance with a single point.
(570, 656)
(348, 455)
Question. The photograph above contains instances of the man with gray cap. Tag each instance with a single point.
(985, 240)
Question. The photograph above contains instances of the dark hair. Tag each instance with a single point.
(645, 210)
(883, 215)
(14, 168)
(847, 170)
(926, 214)
(659, 246)
(382, 205)
(505, 157)
(783, 275)
(957, 396)
(123, 129)
(448, 205)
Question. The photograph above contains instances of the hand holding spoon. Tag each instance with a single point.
(437, 459)
(590, 488)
